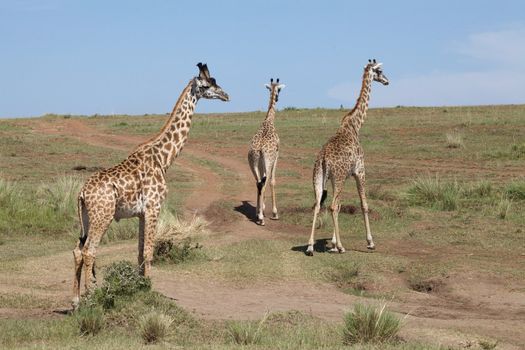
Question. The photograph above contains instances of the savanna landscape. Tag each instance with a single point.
(446, 191)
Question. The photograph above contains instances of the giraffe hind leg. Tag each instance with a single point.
(320, 192)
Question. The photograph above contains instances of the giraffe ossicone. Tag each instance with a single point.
(342, 156)
(137, 186)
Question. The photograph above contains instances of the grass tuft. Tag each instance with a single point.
(173, 242)
(454, 140)
(431, 192)
(246, 333)
(370, 324)
(154, 326)
(516, 190)
(90, 320)
(503, 207)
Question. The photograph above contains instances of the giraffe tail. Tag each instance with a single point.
(83, 218)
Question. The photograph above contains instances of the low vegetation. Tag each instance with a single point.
(439, 208)
(154, 326)
(370, 324)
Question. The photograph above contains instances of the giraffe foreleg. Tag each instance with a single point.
(360, 182)
(151, 217)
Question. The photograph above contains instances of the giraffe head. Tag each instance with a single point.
(275, 88)
(204, 86)
(377, 71)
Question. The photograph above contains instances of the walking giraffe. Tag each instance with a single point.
(137, 186)
(343, 156)
(263, 154)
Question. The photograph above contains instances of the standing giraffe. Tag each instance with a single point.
(137, 186)
(343, 156)
(264, 152)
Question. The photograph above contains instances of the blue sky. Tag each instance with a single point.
(134, 57)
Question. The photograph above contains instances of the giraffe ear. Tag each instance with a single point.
(268, 87)
(281, 86)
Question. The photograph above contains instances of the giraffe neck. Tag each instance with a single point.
(270, 115)
(354, 120)
(172, 137)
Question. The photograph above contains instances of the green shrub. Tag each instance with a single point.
(90, 320)
(369, 324)
(123, 278)
(154, 326)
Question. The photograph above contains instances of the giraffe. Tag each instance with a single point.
(343, 156)
(137, 186)
(263, 153)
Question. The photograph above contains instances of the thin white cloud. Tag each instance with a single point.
(505, 46)
(503, 51)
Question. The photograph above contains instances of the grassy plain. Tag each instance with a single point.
(446, 213)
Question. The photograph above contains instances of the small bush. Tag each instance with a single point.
(173, 242)
(90, 320)
(246, 333)
(434, 193)
(176, 252)
(154, 326)
(369, 324)
(516, 190)
(123, 278)
(454, 140)
(487, 345)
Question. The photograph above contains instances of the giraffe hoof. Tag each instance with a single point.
(309, 251)
(260, 222)
(371, 247)
(275, 217)
(333, 250)
(341, 250)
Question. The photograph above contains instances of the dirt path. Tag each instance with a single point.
(473, 304)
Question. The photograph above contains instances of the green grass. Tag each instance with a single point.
(471, 199)
(370, 324)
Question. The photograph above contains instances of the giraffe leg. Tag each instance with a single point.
(96, 231)
(275, 216)
(261, 188)
(360, 182)
(320, 195)
(142, 225)
(77, 257)
(334, 208)
(151, 217)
